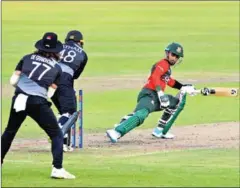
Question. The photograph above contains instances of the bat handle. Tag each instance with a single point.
(212, 91)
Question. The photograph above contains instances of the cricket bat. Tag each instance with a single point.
(221, 91)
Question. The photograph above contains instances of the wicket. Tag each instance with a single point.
(80, 123)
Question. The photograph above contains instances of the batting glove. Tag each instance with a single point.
(205, 91)
(189, 89)
(164, 100)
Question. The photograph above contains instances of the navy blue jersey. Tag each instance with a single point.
(38, 73)
(73, 59)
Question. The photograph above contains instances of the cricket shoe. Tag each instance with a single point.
(67, 148)
(70, 148)
(157, 132)
(61, 174)
(113, 135)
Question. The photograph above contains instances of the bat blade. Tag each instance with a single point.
(224, 92)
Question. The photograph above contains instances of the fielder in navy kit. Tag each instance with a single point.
(36, 77)
(73, 61)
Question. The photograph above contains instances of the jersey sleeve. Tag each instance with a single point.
(19, 65)
(81, 68)
(159, 70)
(171, 82)
(174, 83)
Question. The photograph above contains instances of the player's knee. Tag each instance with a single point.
(142, 114)
(72, 110)
(55, 133)
(126, 117)
(68, 109)
(66, 114)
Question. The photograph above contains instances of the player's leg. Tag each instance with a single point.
(169, 116)
(55, 100)
(14, 123)
(44, 116)
(151, 102)
(63, 117)
(61, 121)
(65, 100)
(68, 107)
(147, 103)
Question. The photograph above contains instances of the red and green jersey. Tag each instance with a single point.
(160, 76)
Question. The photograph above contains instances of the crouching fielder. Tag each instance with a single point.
(73, 62)
(152, 98)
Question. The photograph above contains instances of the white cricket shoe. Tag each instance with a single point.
(168, 136)
(61, 174)
(70, 148)
(67, 148)
(157, 132)
(113, 135)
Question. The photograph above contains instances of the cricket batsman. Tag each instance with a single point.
(152, 98)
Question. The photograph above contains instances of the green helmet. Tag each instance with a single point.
(175, 48)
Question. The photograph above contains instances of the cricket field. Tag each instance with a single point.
(123, 39)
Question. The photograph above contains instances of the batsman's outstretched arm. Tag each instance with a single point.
(204, 91)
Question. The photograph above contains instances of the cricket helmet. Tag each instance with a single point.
(75, 36)
(175, 48)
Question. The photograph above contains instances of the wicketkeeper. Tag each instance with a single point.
(73, 62)
(152, 98)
